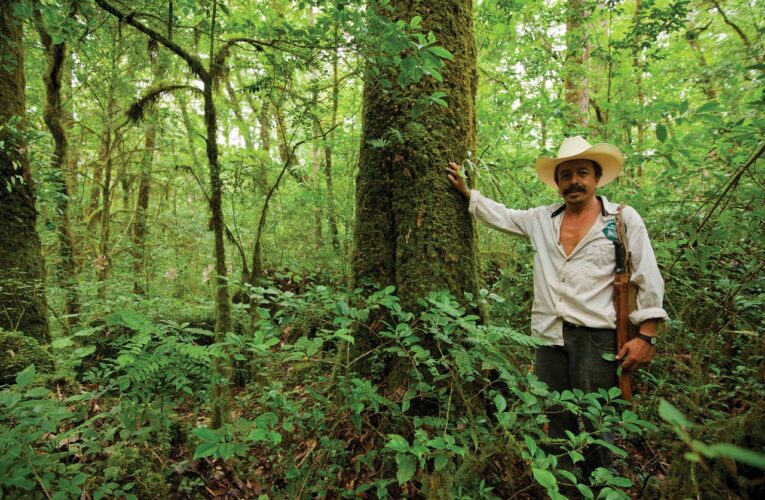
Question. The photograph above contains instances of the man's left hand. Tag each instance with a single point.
(636, 354)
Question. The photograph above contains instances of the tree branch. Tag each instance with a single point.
(732, 183)
(733, 25)
(193, 62)
(138, 108)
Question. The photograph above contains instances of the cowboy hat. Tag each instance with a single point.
(607, 156)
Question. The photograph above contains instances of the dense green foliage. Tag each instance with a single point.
(676, 84)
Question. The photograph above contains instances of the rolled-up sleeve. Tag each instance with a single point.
(645, 270)
(499, 217)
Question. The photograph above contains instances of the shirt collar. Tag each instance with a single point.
(606, 208)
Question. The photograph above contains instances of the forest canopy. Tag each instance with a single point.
(233, 265)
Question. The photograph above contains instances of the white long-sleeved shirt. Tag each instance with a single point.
(578, 288)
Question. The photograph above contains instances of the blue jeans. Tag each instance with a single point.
(578, 364)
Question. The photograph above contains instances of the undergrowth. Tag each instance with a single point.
(126, 413)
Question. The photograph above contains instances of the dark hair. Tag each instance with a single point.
(596, 166)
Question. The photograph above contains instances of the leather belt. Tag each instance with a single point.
(571, 326)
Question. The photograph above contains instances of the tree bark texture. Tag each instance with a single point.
(108, 143)
(264, 123)
(576, 83)
(66, 271)
(316, 154)
(412, 230)
(139, 229)
(23, 304)
(329, 143)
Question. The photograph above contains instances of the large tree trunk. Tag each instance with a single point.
(22, 294)
(412, 230)
(66, 272)
(575, 71)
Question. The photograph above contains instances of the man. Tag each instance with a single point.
(574, 262)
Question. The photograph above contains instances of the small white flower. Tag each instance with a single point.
(171, 274)
(206, 273)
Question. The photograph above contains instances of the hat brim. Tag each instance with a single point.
(607, 156)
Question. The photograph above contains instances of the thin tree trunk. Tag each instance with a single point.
(66, 271)
(139, 229)
(23, 305)
(576, 82)
(281, 136)
(264, 122)
(706, 82)
(189, 127)
(316, 184)
(329, 143)
(103, 260)
(638, 67)
(108, 143)
(241, 124)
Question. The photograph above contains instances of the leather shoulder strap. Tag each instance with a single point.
(621, 232)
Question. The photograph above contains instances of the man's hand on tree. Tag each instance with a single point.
(636, 354)
(457, 180)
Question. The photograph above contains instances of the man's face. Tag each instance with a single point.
(577, 181)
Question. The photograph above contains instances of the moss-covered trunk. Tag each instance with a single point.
(222, 304)
(575, 71)
(412, 229)
(139, 227)
(329, 143)
(22, 283)
(66, 271)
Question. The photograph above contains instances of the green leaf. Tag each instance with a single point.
(615, 449)
(708, 107)
(62, 343)
(206, 434)
(440, 462)
(441, 52)
(608, 356)
(530, 444)
(205, 450)
(661, 132)
(397, 443)
(416, 20)
(25, 376)
(407, 466)
(672, 415)
(585, 491)
(545, 478)
(500, 403)
(748, 457)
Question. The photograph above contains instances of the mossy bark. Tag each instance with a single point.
(23, 304)
(575, 71)
(329, 143)
(139, 227)
(66, 272)
(412, 230)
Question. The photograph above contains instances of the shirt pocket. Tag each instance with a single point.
(599, 260)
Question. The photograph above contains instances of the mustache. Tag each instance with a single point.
(574, 188)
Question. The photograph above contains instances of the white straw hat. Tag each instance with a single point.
(607, 156)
